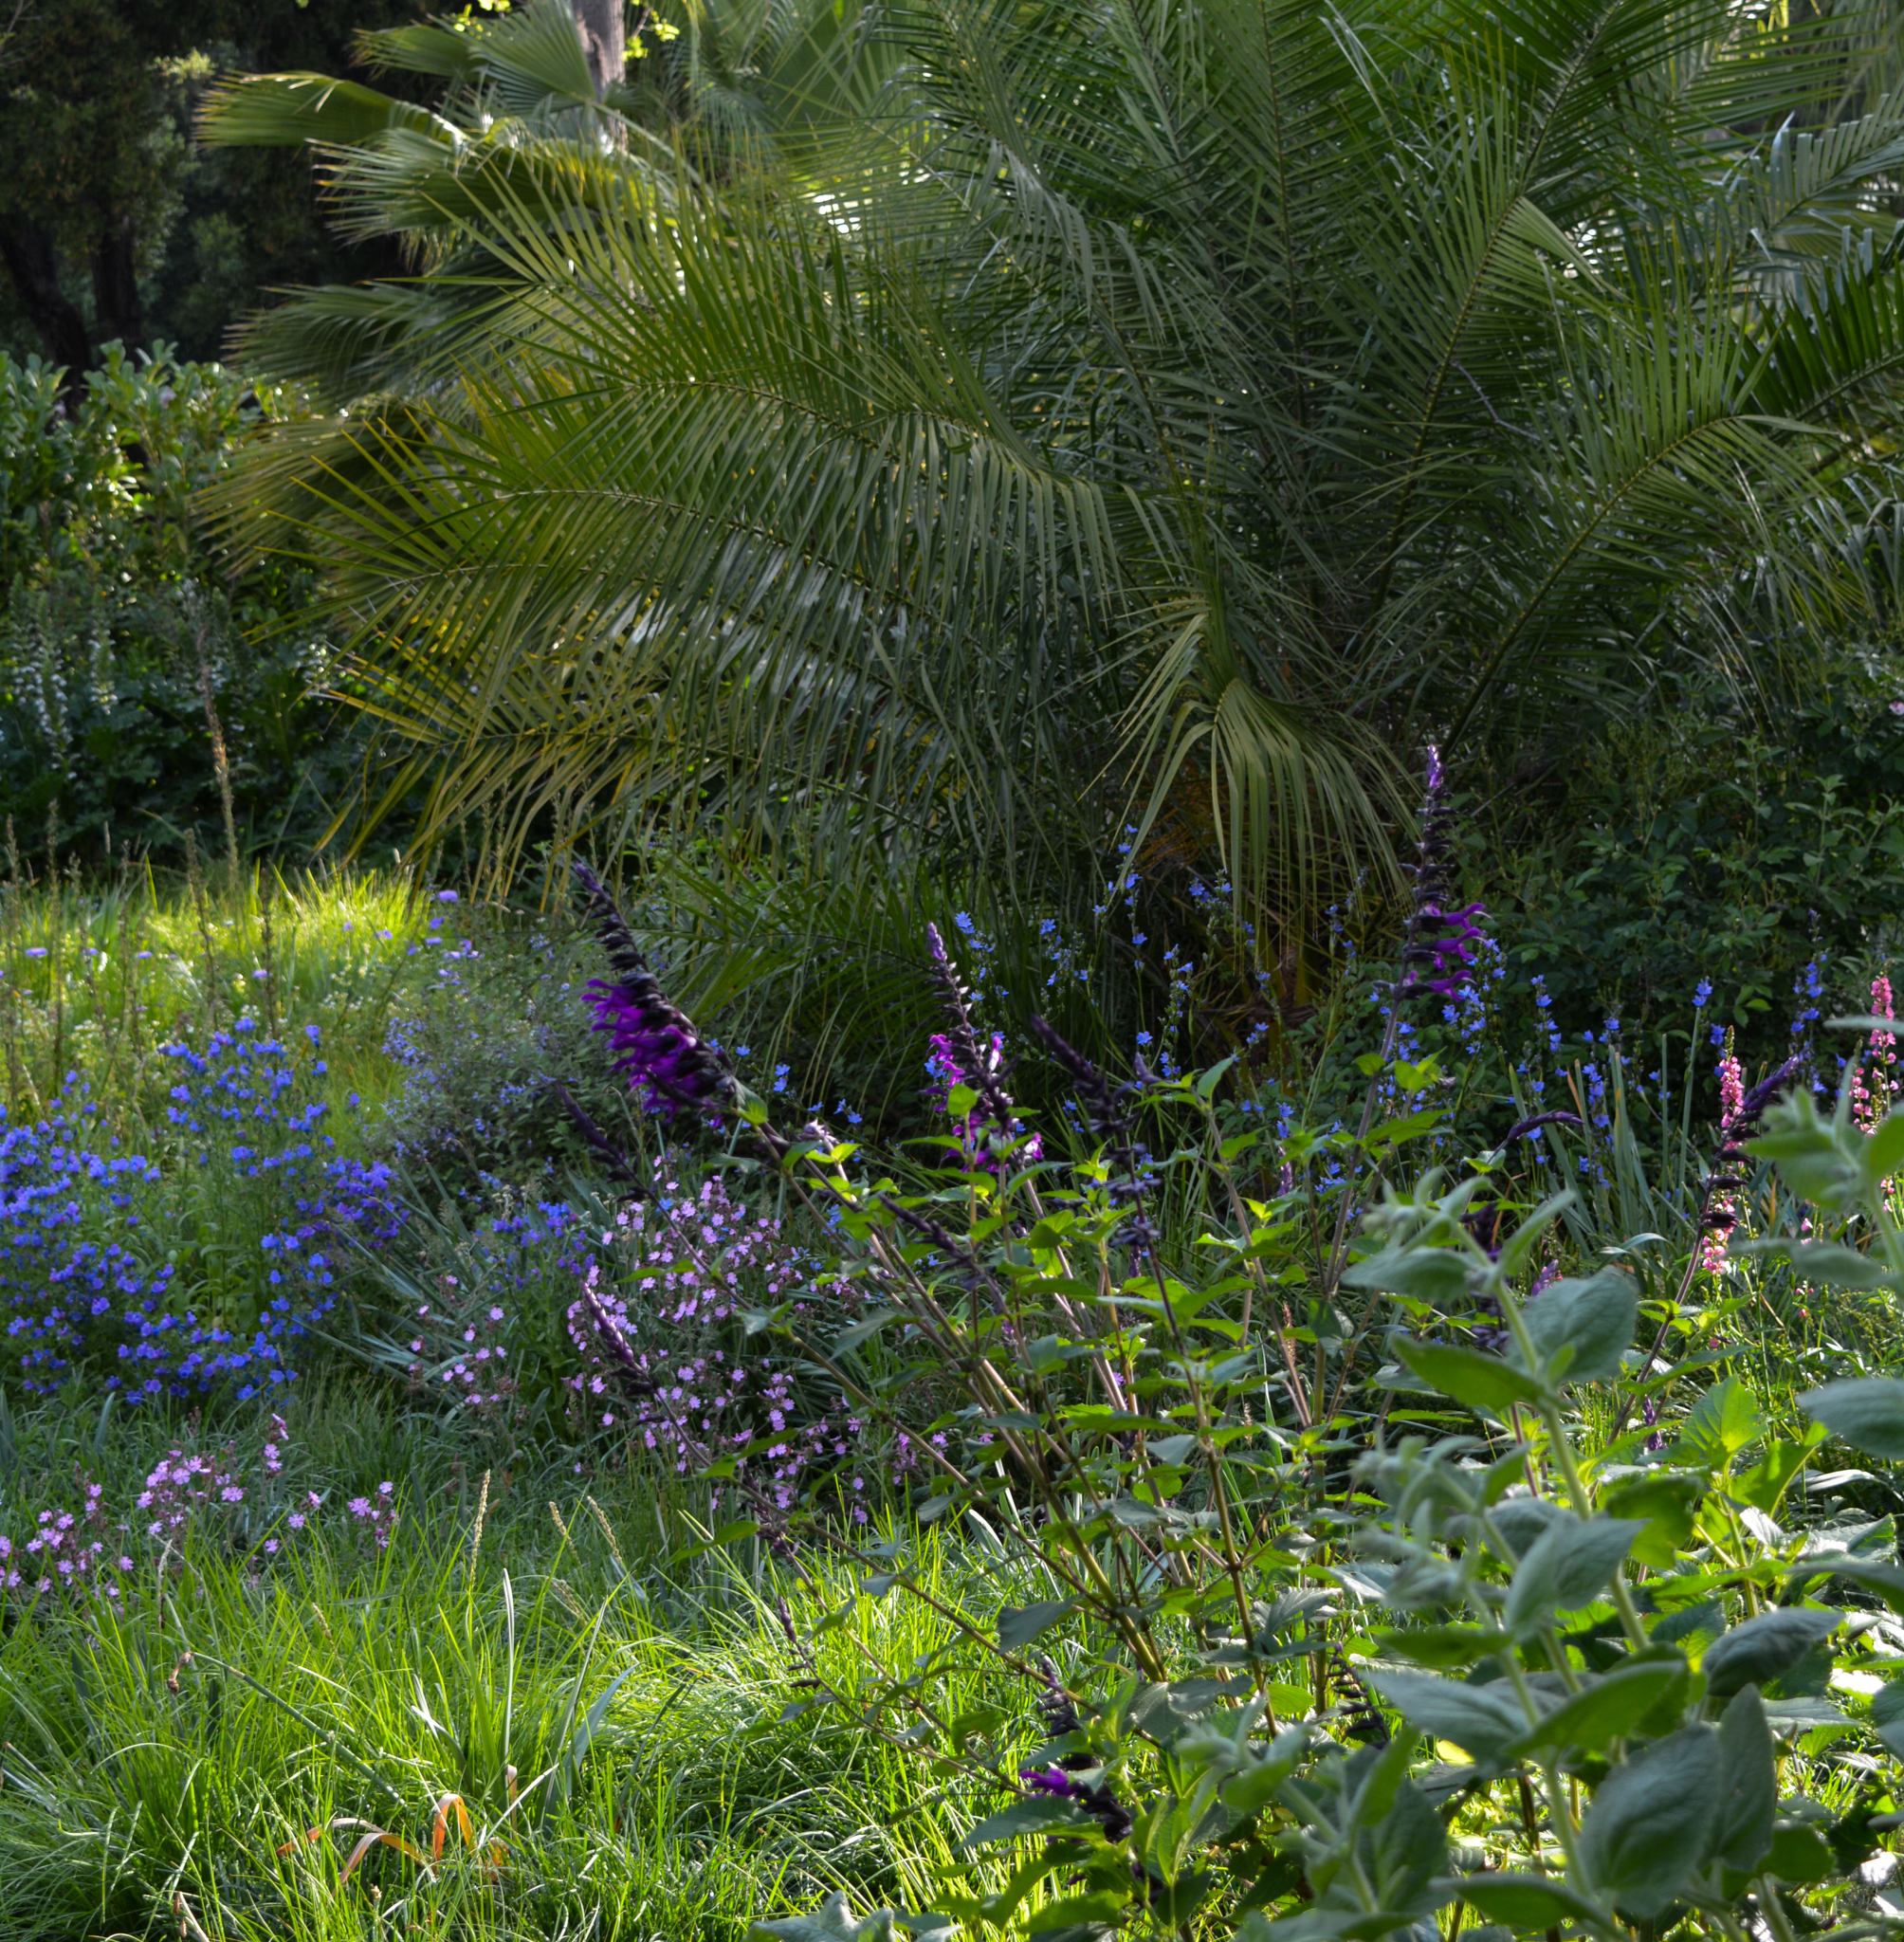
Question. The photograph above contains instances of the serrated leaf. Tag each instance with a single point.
(1482, 1720)
(1887, 1715)
(1568, 1566)
(1523, 1901)
(1435, 1275)
(1725, 1421)
(1607, 1710)
(1664, 1501)
(1581, 1328)
(1045, 1815)
(1441, 1645)
(1751, 1786)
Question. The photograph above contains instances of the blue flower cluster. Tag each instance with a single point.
(204, 1267)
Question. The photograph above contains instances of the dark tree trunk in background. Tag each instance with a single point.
(116, 306)
(604, 40)
(35, 266)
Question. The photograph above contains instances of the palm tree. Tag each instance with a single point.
(998, 425)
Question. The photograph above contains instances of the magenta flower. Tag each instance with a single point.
(668, 1064)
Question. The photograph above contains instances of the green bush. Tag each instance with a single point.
(127, 655)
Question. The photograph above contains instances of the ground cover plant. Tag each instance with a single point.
(1410, 1479)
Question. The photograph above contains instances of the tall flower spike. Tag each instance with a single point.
(981, 1067)
(1437, 953)
(668, 1064)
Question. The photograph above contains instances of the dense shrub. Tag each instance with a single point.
(127, 654)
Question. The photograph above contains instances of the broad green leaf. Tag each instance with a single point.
(1482, 1381)
(1568, 1566)
(1019, 1624)
(1874, 1574)
(1867, 1412)
(1652, 1820)
(1482, 1720)
(1757, 1652)
(1102, 1907)
(1251, 1788)
(1045, 1815)
(1751, 1784)
(1836, 1266)
(1799, 1854)
(1884, 1151)
(1765, 1482)
(1725, 1421)
(1405, 1850)
(1606, 1710)
(1580, 1330)
(1441, 1645)
(1523, 1901)
(1887, 1715)
(1435, 1275)
(1665, 1500)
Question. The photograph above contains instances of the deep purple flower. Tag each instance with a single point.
(669, 1065)
(1052, 1780)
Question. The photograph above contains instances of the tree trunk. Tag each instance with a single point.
(604, 41)
(35, 268)
(115, 267)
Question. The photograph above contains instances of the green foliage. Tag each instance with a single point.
(1573, 1645)
(1200, 406)
(124, 665)
(1717, 840)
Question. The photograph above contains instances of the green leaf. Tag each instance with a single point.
(1482, 1720)
(1757, 1652)
(1251, 1788)
(1836, 1266)
(1725, 1421)
(1750, 1786)
(1886, 1579)
(1440, 1645)
(1580, 1330)
(1045, 1815)
(1652, 1820)
(1784, 1461)
(1525, 1901)
(1405, 1850)
(1435, 1275)
(1884, 1151)
(863, 1332)
(1482, 1381)
(1666, 1501)
(1567, 1566)
(1799, 1854)
(1887, 1715)
(1607, 1710)
(1019, 1624)
(1102, 1905)
(1867, 1412)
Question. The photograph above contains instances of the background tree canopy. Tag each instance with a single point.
(114, 225)
(963, 432)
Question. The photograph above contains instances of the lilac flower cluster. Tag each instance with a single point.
(192, 1498)
(208, 1269)
(662, 1361)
